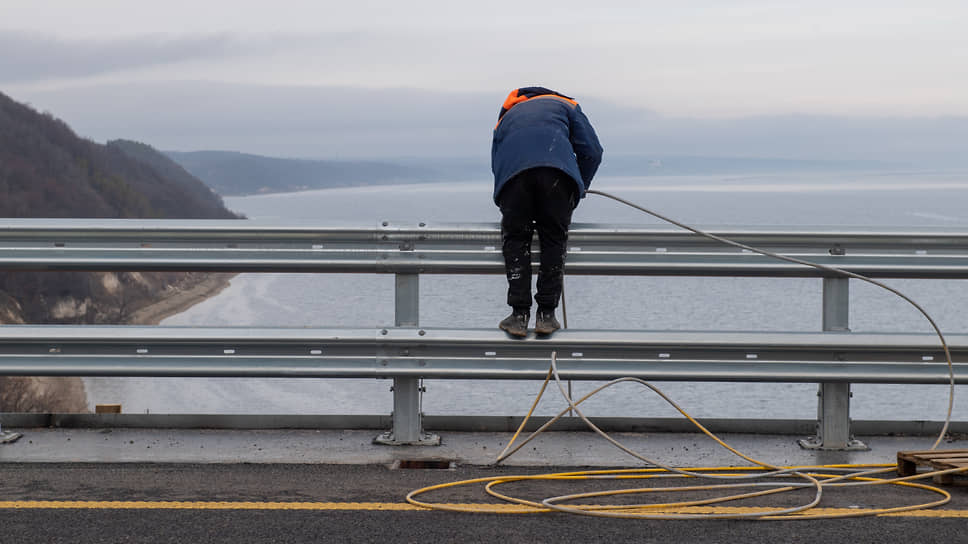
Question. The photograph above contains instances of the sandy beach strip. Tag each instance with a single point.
(181, 300)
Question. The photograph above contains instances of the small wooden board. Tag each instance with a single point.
(909, 461)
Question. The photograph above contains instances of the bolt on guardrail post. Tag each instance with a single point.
(833, 398)
(407, 424)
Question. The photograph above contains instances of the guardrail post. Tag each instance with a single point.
(407, 424)
(833, 398)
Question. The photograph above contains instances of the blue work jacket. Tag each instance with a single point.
(544, 130)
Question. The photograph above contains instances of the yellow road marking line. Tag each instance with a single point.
(400, 506)
(210, 505)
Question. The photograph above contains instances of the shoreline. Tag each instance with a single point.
(68, 394)
(181, 300)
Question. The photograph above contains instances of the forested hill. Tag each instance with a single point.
(48, 171)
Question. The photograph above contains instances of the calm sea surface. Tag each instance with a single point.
(895, 199)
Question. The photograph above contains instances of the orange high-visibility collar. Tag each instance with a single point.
(514, 99)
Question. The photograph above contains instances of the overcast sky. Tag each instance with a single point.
(704, 59)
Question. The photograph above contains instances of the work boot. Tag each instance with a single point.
(516, 324)
(545, 322)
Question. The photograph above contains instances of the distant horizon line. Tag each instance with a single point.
(486, 158)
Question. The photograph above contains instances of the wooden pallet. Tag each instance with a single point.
(909, 461)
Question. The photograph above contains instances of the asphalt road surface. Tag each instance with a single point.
(365, 503)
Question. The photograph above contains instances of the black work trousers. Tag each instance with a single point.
(542, 199)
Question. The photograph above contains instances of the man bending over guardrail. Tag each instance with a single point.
(544, 155)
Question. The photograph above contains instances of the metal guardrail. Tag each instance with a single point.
(244, 246)
(53, 350)
(407, 354)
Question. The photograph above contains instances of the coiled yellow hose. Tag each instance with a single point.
(818, 477)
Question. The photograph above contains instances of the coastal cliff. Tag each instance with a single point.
(46, 170)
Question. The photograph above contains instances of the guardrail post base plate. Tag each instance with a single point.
(425, 439)
(816, 443)
(9, 437)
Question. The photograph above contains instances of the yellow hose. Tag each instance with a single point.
(516, 505)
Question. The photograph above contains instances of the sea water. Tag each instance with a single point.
(868, 199)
